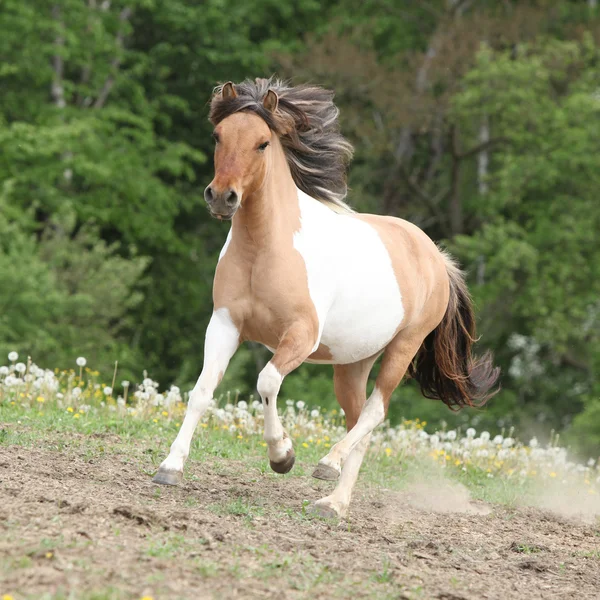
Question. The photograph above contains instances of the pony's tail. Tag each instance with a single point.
(444, 366)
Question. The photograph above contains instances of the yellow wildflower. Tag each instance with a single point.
(146, 598)
(326, 445)
(165, 413)
(326, 438)
(388, 451)
(457, 462)
(49, 555)
(7, 597)
(40, 399)
(553, 474)
(304, 445)
(76, 416)
(240, 437)
(264, 444)
(70, 409)
(155, 420)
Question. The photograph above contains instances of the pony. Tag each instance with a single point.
(303, 274)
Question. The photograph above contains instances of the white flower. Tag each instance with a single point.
(229, 407)
(121, 401)
(242, 405)
(289, 403)
(175, 390)
(148, 382)
(59, 396)
(485, 436)
(434, 439)
(81, 361)
(300, 404)
(451, 435)
(125, 383)
(590, 463)
(76, 392)
(314, 413)
(4, 371)
(533, 443)
(256, 404)
(497, 440)
(508, 442)
(12, 356)
(107, 391)
(471, 432)
(20, 368)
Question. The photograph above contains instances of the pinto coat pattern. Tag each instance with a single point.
(313, 281)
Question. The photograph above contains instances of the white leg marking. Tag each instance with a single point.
(222, 340)
(371, 416)
(269, 382)
(339, 500)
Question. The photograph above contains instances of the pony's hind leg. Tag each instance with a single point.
(222, 340)
(396, 359)
(350, 383)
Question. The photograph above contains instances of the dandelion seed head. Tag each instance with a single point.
(81, 361)
(13, 356)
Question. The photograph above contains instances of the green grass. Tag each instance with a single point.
(144, 444)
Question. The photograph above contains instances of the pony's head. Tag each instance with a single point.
(250, 117)
(242, 142)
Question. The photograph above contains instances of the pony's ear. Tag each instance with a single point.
(228, 91)
(270, 101)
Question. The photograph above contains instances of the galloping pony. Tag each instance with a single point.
(314, 281)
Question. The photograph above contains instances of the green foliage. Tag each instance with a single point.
(106, 249)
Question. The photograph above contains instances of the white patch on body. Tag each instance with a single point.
(226, 245)
(351, 282)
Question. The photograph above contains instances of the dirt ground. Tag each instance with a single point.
(98, 528)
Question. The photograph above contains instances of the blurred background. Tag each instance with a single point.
(477, 120)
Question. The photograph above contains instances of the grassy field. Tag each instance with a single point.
(435, 515)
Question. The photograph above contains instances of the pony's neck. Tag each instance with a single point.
(272, 210)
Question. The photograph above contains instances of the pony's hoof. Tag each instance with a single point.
(326, 472)
(284, 466)
(325, 510)
(168, 477)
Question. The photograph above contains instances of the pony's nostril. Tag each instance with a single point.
(208, 194)
(231, 198)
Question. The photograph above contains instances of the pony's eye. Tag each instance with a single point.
(215, 137)
(263, 146)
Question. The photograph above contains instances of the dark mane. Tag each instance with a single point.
(306, 121)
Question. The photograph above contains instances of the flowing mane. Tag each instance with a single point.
(306, 121)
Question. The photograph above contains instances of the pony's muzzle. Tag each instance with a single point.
(221, 204)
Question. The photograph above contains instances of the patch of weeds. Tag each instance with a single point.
(239, 508)
(587, 554)
(207, 569)
(385, 575)
(525, 548)
(169, 548)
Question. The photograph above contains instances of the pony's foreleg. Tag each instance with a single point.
(221, 342)
(293, 349)
(396, 359)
